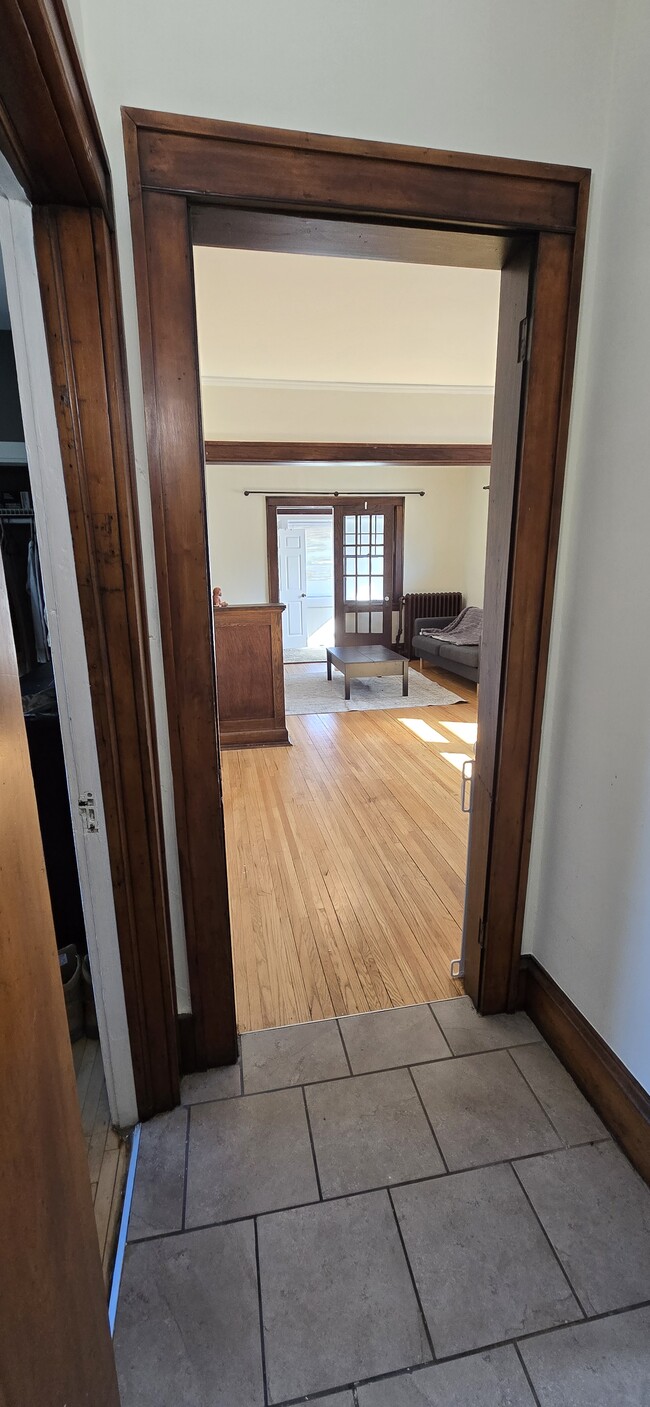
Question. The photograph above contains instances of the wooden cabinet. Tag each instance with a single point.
(250, 675)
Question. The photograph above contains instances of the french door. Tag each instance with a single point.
(364, 564)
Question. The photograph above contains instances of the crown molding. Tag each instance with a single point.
(261, 383)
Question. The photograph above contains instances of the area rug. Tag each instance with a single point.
(308, 690)
(310, 654)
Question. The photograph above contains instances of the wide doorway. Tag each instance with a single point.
(346, 843)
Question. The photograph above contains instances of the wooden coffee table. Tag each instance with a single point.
(365, 661)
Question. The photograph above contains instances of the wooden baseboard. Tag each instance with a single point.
(619, 1099)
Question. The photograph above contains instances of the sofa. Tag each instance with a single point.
(457, 659)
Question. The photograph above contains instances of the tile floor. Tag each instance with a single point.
(391, 1210)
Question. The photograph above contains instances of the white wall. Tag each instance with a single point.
(436, 545)
(588, 917)
(328, 413)
(476, 501)
(512, 78)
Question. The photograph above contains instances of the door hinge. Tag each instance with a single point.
(522, 354)
(88, 813)
(481, 933)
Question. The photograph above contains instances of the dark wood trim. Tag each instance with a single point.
(185, 596)
(75, 259)
(299, 172)
(50, 136)
(49, 131)
(619, 1099)
(229, 227)
(177, 163)
(273, 452)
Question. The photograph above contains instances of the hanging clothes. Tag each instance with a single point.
(37, 603)
(15, 539)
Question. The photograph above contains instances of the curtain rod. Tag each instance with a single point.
(334, 493)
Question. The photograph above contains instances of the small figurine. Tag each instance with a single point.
(217, 598)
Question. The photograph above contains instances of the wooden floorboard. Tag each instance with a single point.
(346, 861)
(107, 1152)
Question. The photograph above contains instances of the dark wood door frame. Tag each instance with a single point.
(50, 137)
(178, 166)
(278, 503)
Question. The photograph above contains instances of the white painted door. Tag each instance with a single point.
(292, 564)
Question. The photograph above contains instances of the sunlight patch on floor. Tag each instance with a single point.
(423, 730)
(465, 731)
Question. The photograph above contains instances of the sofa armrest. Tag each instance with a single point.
(431, 623)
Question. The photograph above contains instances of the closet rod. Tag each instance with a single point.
(334, 493)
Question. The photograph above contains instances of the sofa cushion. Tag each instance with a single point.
(424, 642)
(461, 654)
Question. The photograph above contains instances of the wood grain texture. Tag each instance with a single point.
(54, 1339)
(509, 381)
(231, 228)
(300, 170)
(80, 303)
(325, 452)
(49, 131)
(346, 860)
(250, 675)
(623, 1104)
(532, 561)
(106, 1150)
(172, 411)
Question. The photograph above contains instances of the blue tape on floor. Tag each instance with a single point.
(124, 1226)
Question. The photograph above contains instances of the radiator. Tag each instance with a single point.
(424, 603)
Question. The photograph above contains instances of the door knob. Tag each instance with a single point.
(303, 593)
(386, 599)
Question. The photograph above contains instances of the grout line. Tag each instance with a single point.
(185, 1166)
(261, 1312)
(338, 1022)
(424, 1111)
(414, 1368)
(116, 1278)
(313, 1147)
(413, 1280)
(431, 1006)
(549, 1242)
(362, 1192)
(526, 1374)
(536, 1097)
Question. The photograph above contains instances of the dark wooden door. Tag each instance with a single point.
(364, 571)
(55, 1345)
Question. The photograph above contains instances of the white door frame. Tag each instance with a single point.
(67, 640)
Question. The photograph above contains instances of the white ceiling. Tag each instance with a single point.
(296, 317)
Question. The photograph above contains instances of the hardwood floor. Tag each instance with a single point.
(107, 1152)
(346, 861)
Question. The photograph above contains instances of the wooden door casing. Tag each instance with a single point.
(176, 165)
(54, 1339)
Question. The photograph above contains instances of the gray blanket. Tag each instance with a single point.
(464, 630)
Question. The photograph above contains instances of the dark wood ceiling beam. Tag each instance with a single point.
(294, 452)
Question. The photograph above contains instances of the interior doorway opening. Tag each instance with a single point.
(347, 851)
(305, 552)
